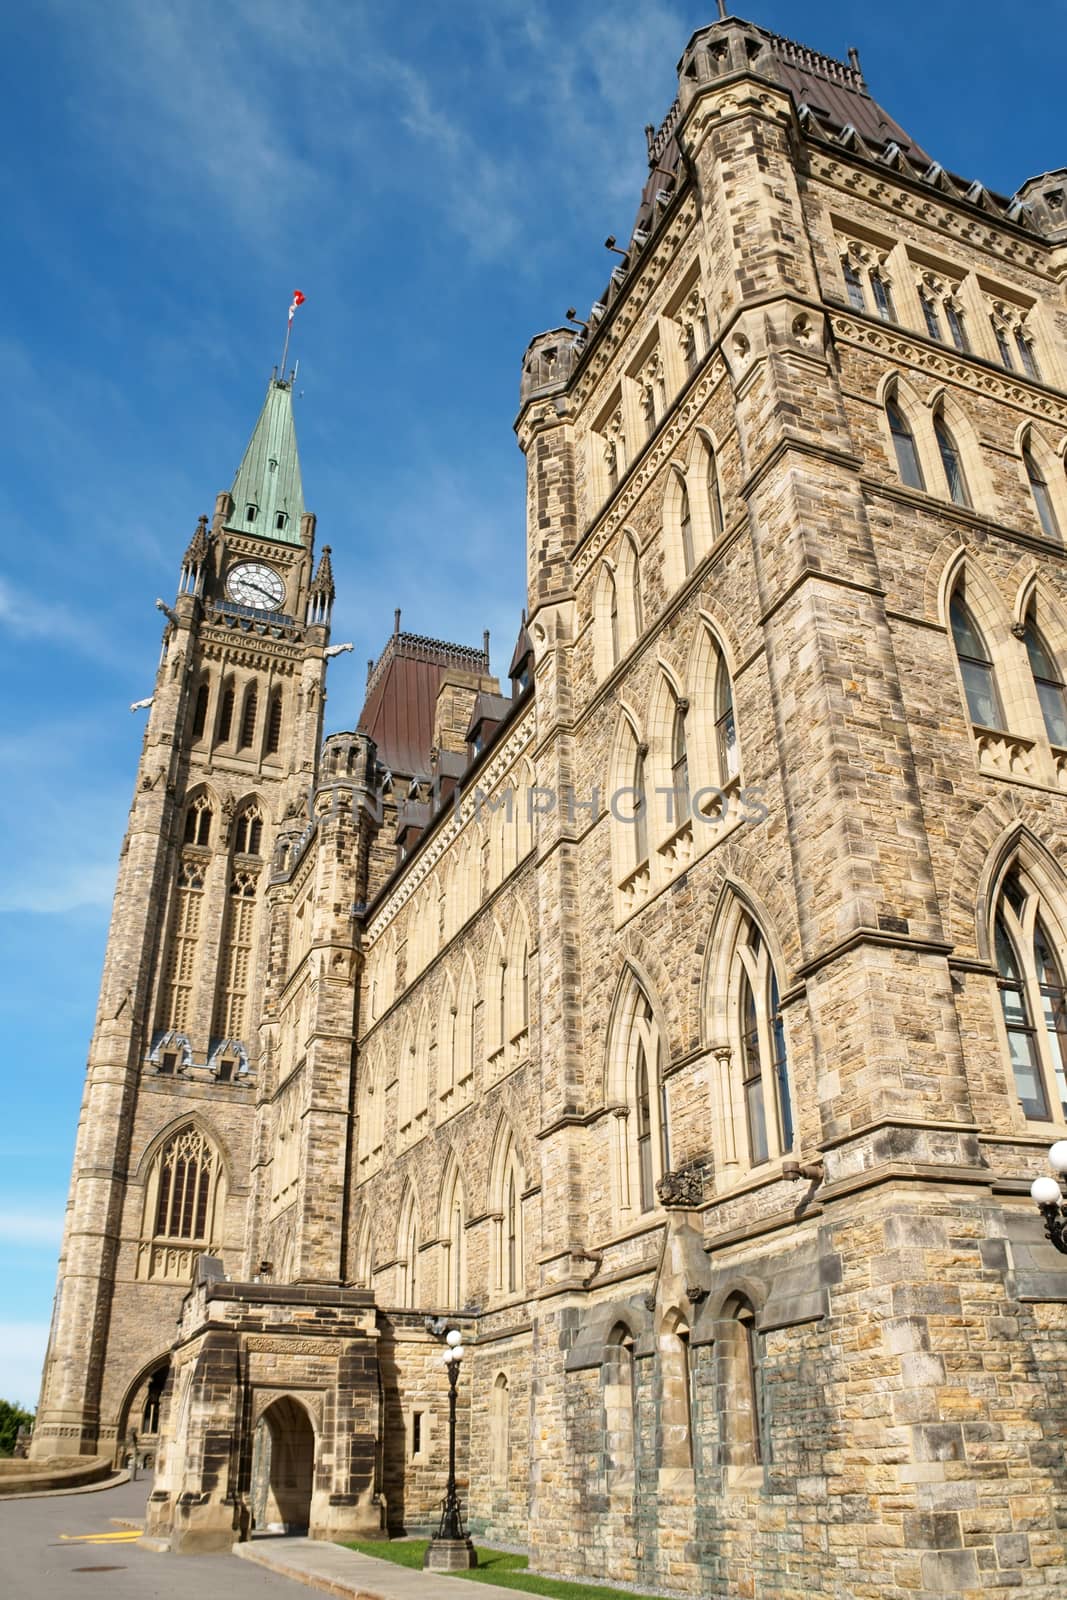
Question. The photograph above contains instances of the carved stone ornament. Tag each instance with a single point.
(684, 1189)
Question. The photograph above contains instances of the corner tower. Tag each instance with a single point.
(162, 1162)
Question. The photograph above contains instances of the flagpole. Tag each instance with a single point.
(285, 347)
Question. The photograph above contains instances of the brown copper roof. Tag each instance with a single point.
(402, 686)
(837, 92)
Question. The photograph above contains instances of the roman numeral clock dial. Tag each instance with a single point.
(254, 584)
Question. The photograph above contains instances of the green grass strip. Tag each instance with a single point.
(494, 1566)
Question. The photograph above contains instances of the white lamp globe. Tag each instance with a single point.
(1057, 1156)
(449, 1355)
(458, 1352)
(453, 1336)
(1045, 1191)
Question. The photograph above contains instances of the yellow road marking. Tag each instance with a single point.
(124, 1537)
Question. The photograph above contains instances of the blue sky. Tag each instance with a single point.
(438, 181)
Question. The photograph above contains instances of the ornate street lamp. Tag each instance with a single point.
(1051, 1197)
(451, 1548)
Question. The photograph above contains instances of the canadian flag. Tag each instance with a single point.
(298, 300)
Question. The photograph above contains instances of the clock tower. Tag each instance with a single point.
(164, 1157)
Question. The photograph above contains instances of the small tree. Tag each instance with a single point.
(12, 1418)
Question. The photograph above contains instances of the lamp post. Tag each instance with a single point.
(450, 1548)
(1051, 1197)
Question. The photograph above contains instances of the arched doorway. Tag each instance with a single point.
(139, 1419)
(283, 1468)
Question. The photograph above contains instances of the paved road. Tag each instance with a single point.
(36, 1563)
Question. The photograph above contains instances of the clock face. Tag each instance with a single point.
(253, 584)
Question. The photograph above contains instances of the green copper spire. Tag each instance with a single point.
(268, 497)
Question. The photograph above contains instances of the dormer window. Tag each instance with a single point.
(251, 513)
(280, 520)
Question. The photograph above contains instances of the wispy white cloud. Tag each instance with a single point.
(22, 1348)
(30, 1228)
(54, 624)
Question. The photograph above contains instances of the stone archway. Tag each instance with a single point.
(139, 1418)
(285, 1445)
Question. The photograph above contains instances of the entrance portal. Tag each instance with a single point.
(287, 1462)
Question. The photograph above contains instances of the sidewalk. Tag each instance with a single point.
(334, 1570)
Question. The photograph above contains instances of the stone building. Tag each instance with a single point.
(685, 1026)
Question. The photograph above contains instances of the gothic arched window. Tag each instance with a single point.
(198, 821)
(950, 461)
(508, 1269)
(184, 1200)
(235, 959)
(1049, 684)
(179, 975)
(248, 718)
(248, 832)
(1033, 998)
(976, 667)
(1046, 513)
(408, 1252)
(740, 1385)
(200, 712)
(685, 523)
(761, 1034)
(714, 494)
(636, 1084)
(274, 724)
(452, 1229)
(225, 726)
(911, 473)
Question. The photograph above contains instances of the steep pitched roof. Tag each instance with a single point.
(402, 686)
(268, 478)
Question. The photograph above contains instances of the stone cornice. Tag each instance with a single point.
(928, 207)
(899, 344)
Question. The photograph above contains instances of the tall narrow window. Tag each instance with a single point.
(1003, 347)
(976, 667)
(950, 461)
(1027, 356)
(226, 715)
(507, 1272)
(1046, 515)
(725, 727)
(248, 832)
(613, 616)
(511, 1232)
(854, 286)
(248, 719)
(686, 524)
(408, 1252)
(187, 1167)
(200, 711)
(274, 724)
(714, 495)
(679, 762)
(640, 822)
(180, 973)
(883, 298)
(643, 1107)
(954, 318)
(198, 822)
(1049, 685)
(904, 445)
(235, 959)
(1033, 999)
(741, 1387)
(752, 1074)
(931, 318)
(454, 1229)
(764, 1063)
